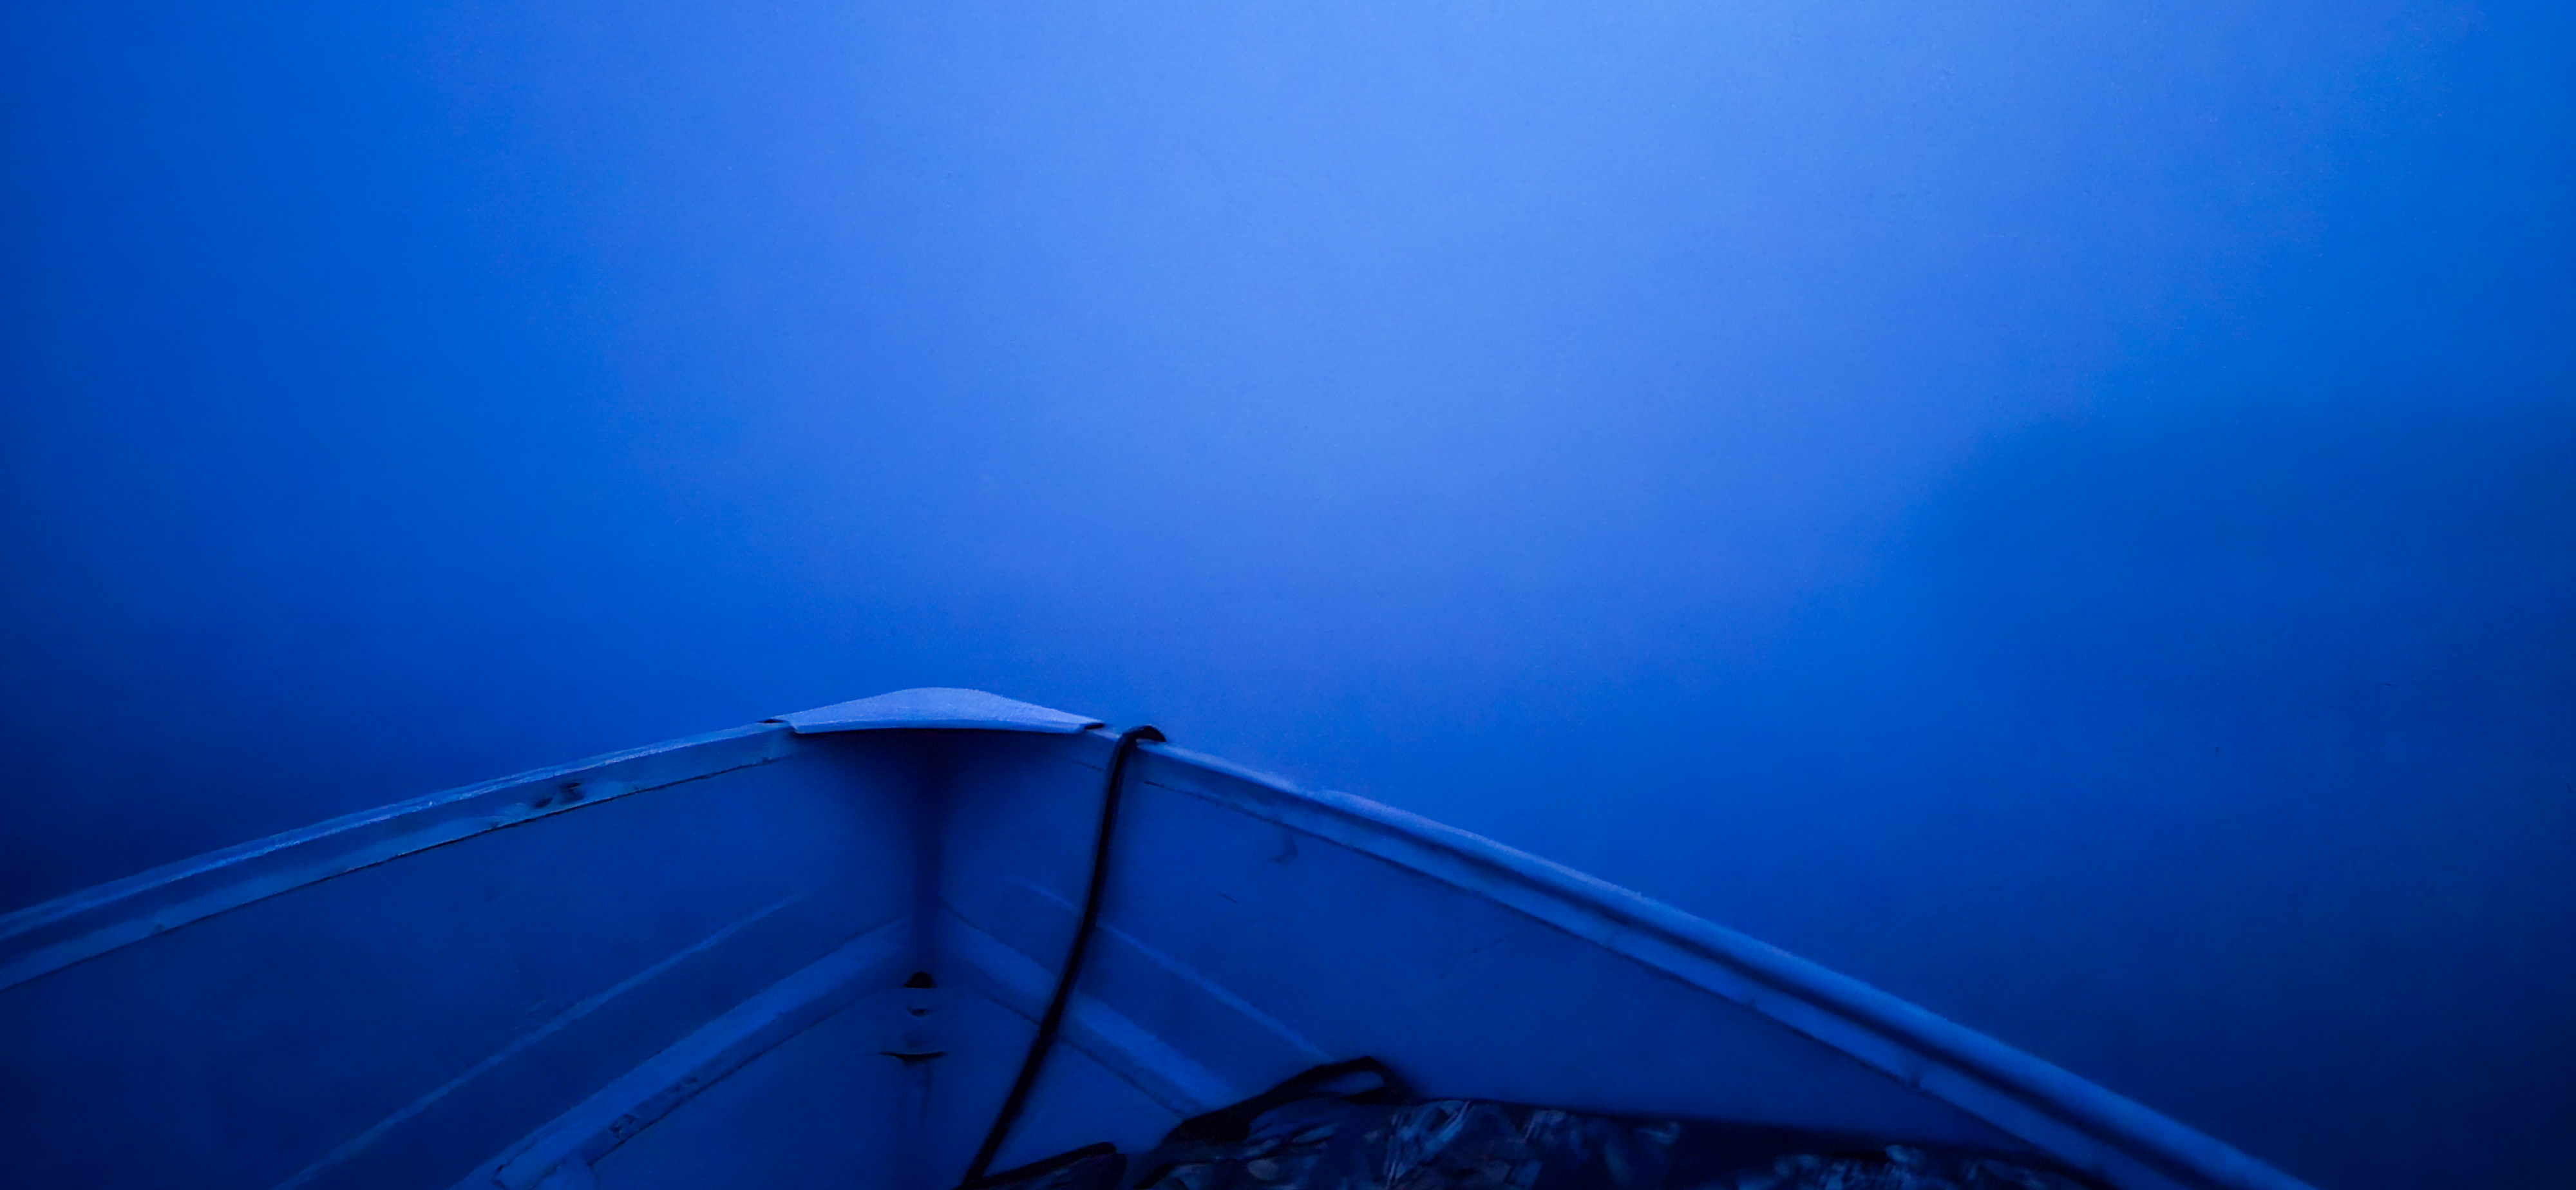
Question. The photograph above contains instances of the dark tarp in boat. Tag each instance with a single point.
(1302, 1136)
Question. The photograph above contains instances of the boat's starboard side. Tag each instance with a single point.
(2056, 1112)
(1270, 925)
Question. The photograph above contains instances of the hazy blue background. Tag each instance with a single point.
(2065, 510)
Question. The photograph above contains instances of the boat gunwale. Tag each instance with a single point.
(50, 936)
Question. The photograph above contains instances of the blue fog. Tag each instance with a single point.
(2064, 512)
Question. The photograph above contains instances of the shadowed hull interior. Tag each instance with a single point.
(766, 958)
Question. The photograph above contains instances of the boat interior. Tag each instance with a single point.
(812, 952)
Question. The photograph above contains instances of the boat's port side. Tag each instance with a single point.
(391, 1002)
(48, 937)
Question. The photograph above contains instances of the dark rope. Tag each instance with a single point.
(1054, 1018)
